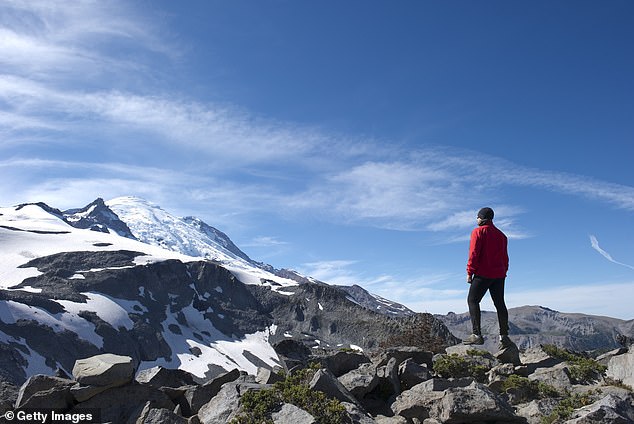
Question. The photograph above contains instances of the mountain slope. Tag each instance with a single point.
(191, 236)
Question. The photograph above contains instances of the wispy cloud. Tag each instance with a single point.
(595, 245)
(220, 152)
(265, 241)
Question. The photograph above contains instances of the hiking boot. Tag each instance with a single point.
(505, 342)
(474, 339)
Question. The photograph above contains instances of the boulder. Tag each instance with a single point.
(472, 404)
(360, 381)
(534, 411)
(267, 376)
(198, 395)
(342, 362)
(621, 368)
(509, 355)
(411, 373)
(8, 396)
(535, 358)
(326, 382)
(222, 407)
(416, 402)
(151, 415)
(609, 410)
(164, 377)
(417, 354)
(291, 414)
(104, 370)
(557, 376)
(125, 403)
(43, 391)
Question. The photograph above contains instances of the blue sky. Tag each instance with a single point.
(352, 141)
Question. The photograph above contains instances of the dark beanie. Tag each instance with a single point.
(485, 213)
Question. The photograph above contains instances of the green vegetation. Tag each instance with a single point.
(568, 404)
(527, 390)
(582, 370)
(258, 405)
(478, 352)
(607, 381)
(456, 366)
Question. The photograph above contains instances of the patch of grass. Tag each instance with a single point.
(582, 370)
(526, 390)
(258, 405)
(477, 352)
(568, 404)
(456, 366)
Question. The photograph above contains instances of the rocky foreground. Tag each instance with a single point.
(396, 385)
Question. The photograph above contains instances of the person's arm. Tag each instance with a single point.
(474, 249)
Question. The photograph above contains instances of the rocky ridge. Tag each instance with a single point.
(397, 385)
(533, 326)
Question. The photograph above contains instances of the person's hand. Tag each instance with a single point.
(469, 279)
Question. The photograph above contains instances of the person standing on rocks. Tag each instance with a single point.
(487, 266)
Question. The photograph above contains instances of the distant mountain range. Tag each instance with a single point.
(536, 325)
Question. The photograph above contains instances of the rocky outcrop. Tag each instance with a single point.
(395, 386)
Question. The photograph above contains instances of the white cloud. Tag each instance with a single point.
(265, 241)
(595, 245)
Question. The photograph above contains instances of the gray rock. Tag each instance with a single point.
(219, 409)
(401, 353)
(442, 384)
(126, 403)
(83, 393)
(416, 402)
(509, 355)
(198, 395)
(162, 416)
(535, 358)
(357, 415)
(411, 373)
(396, 419)
(604, 359)
(291, 414)
(43, 391)
(390, 374)
(609, 410)
(621, 368)
(557, 376)
(360, 381)
(326, 382)
(8, 396)
(104, 370)
(342, 362)
(267, 376)
(472, 404)
(164, 377)
(534, 411)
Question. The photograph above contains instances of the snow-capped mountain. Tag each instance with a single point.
(191, 236)
(164, 290)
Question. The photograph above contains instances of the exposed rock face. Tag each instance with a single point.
(159, 306)
(433, 400)
(621, 367)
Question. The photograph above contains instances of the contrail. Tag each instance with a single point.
(606, 255)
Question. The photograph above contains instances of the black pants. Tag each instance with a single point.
(495, 286)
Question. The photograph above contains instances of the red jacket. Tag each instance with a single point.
(488, 255)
